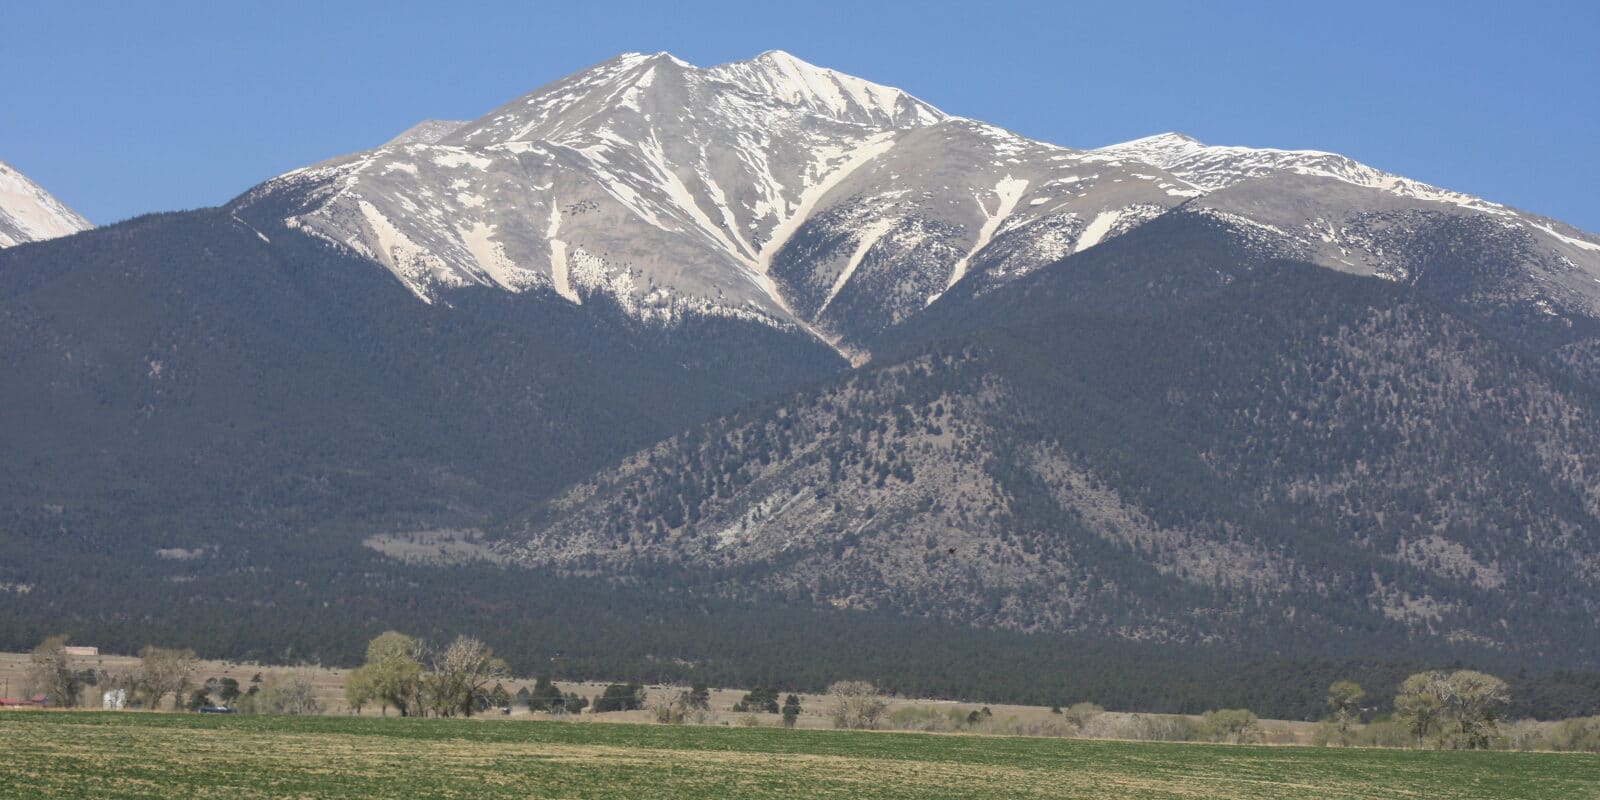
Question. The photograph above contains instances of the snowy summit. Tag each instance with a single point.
(776, 190)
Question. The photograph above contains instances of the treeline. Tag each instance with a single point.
(1442, 709)
(55, 680)
(584, 629)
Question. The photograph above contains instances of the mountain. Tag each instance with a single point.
(781, 192)
(176, 380)
(1335, 212)
(1166, 438)
(28, 213)
(582, 367)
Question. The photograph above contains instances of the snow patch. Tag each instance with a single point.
(1097, 229)
(1579, 243)
(412, 264)
(459, 158)
(869, 237)
(1007, 192)
(852, 160)
(558, 256)
(680, 195)
(491, 258)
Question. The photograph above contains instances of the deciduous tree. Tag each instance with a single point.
(293, 695)
(1344, 698)
(461, 675)
(1457, 709)
(395, 671)
(50, 673)
(855, 704)
(164, 671)
(359, 689)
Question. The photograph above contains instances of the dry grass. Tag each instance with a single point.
(329, 685)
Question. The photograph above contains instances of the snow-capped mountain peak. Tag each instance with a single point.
(645, 178)
(28, 213)
(1158, 150)
(775, 190)
(824, 91)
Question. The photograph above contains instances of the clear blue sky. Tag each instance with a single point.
(124, 108)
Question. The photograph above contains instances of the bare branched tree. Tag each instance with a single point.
(50, 673)
(855, 704)
(461, 676)
(164, 671)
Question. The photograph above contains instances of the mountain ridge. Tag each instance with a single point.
(823, 203)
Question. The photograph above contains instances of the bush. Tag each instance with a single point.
(1166, 728)
(1580, 735)
(1383, 733)
(669, 713)
(1081, 714)
(927, 718)
(1013, 726)
(1231, 725)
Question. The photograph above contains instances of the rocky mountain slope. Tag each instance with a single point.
(1170, 437)
(28, 213)
(778, 191)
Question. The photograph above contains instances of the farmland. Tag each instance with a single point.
(148, 755)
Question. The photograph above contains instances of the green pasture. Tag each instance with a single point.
(126, 755)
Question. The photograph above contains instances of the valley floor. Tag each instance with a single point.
(143, 755)
(328, 684)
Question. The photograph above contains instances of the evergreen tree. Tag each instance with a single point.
(759, 700)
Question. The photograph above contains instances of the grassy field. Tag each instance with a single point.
(111, 755)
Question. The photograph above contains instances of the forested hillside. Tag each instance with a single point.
(1169, 438)
(179, 380)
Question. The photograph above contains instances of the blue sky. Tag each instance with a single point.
(126, 108)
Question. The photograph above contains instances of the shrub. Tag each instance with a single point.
(1232, 725)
